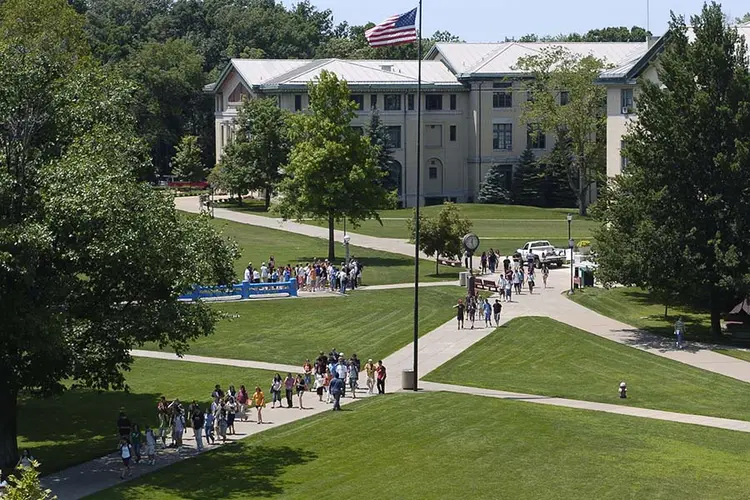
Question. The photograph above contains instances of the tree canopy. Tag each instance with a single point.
(332, 171)
(91, 259)
(442, 234)
(678, 218)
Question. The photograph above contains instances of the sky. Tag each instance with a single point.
(493, 20)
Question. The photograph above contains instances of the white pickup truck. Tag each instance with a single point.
(542, 251)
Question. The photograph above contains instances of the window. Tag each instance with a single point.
(535, 137)
(433, 102)
(626, 100)
(298, 103)
(453, 101)
(623, 158)
(394, 137)
(502, 136)
(392, 102)
(502, 98)
(374, 101)
(359, 99)
(452, 132)
(432, 173)
(410, 102)
(219, 102)
(564, 97)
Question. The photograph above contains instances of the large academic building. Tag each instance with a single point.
(472, 101)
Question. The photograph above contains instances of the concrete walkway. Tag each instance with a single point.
(259, 365)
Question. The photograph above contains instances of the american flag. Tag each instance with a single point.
(396, 30)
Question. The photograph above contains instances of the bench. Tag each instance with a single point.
(485, 285)
(449, 262)
(242, 290)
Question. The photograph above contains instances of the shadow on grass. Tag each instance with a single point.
(253, 471)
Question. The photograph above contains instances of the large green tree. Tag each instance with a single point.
(527, 181)
(187, 163)
(379, 138)
(333, 170)
(492, 190)
(679, 217)
(261, 145)
(91, 260)
(566, 99)
(441, 236)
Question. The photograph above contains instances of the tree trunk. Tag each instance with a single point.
(666, 311)
(239, 199)
(268, 199)
(437, 266)
(715, 309)
(8, 429)
(331, 248)
(582, 194)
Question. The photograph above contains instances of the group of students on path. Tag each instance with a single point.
(320, 275)
(329, 375)
(473, 304)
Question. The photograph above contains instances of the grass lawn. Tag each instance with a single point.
(503, 227)
(372, 324)
(636, 307)
(735, 353)
(542, 356)
(257, 244)
(439, 445)
(80, 425)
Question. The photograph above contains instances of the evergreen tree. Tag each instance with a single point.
(493, 189)
(526, 181)
(555, 184)
(379, 138)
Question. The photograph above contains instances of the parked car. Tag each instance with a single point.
(542, 251)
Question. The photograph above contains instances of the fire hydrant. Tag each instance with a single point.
(623, 390)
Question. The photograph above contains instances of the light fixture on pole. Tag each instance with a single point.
(346, 246)
(571, 245)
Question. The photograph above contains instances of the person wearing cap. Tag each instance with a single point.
(370, 370)
(341, 370)
(263, 272)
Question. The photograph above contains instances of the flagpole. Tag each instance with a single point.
(416, 211)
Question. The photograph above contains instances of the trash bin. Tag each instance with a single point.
(588, 277)
(408, 380)
(463, 278)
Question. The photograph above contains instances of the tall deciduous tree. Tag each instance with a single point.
(679, 218)
(581, 113)
(441, 235)
(91, 260)
(187, 163)
(261, 146)
(332, 171)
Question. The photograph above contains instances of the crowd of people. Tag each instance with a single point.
(320, 275)
(329, 376)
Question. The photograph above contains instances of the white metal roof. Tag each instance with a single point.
(501, 58)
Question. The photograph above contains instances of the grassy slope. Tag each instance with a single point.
(80, 425)
(258, 243)
(634, 306)
(437, 445)
(542, 356)
(372, 324)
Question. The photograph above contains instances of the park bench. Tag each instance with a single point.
(242, 290)
(485, 284)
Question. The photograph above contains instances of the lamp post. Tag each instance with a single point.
(346, 247)
(571, 244)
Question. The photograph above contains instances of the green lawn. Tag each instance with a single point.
(636, 307)
(372, 324)
(80, 425)
(735, 353)
(439, 445)
(257, 244)
(542, 356)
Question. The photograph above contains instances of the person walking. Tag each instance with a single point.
(327, 384)
(289, 389)
(208, 426)
(136, 438)
(483, 262)
(460, 313)
(679, 330)
(242, 400)
(530, 282)
(545, 274)
(150, 445)
(336, 388)
(353, 377)
(370, 370)
(198, 421)
(381, 377)
(471, 309)
(126, 453)
(276, 384)
(162, 410)
(179, 428)
(259, 401)
(124, 425)
(497, 307)
(299, 384)
(231, 407)
(307, 369)
(492, 261)
(508, 288)
(487, 307)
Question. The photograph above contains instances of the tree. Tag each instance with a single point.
(493, 189)
(91, 260)
(526, 180)
(744, 19)
(379, 139)
(332, 171)
(261, 145)
(582, 115)
(441, 236)
(610, 34)
(187, 163)
(554, 189)
(677, 221)
(25, 485)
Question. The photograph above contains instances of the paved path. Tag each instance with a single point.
(719, 423)
(395, 286)
(260, 365)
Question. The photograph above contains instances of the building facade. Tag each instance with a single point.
(472, 104)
